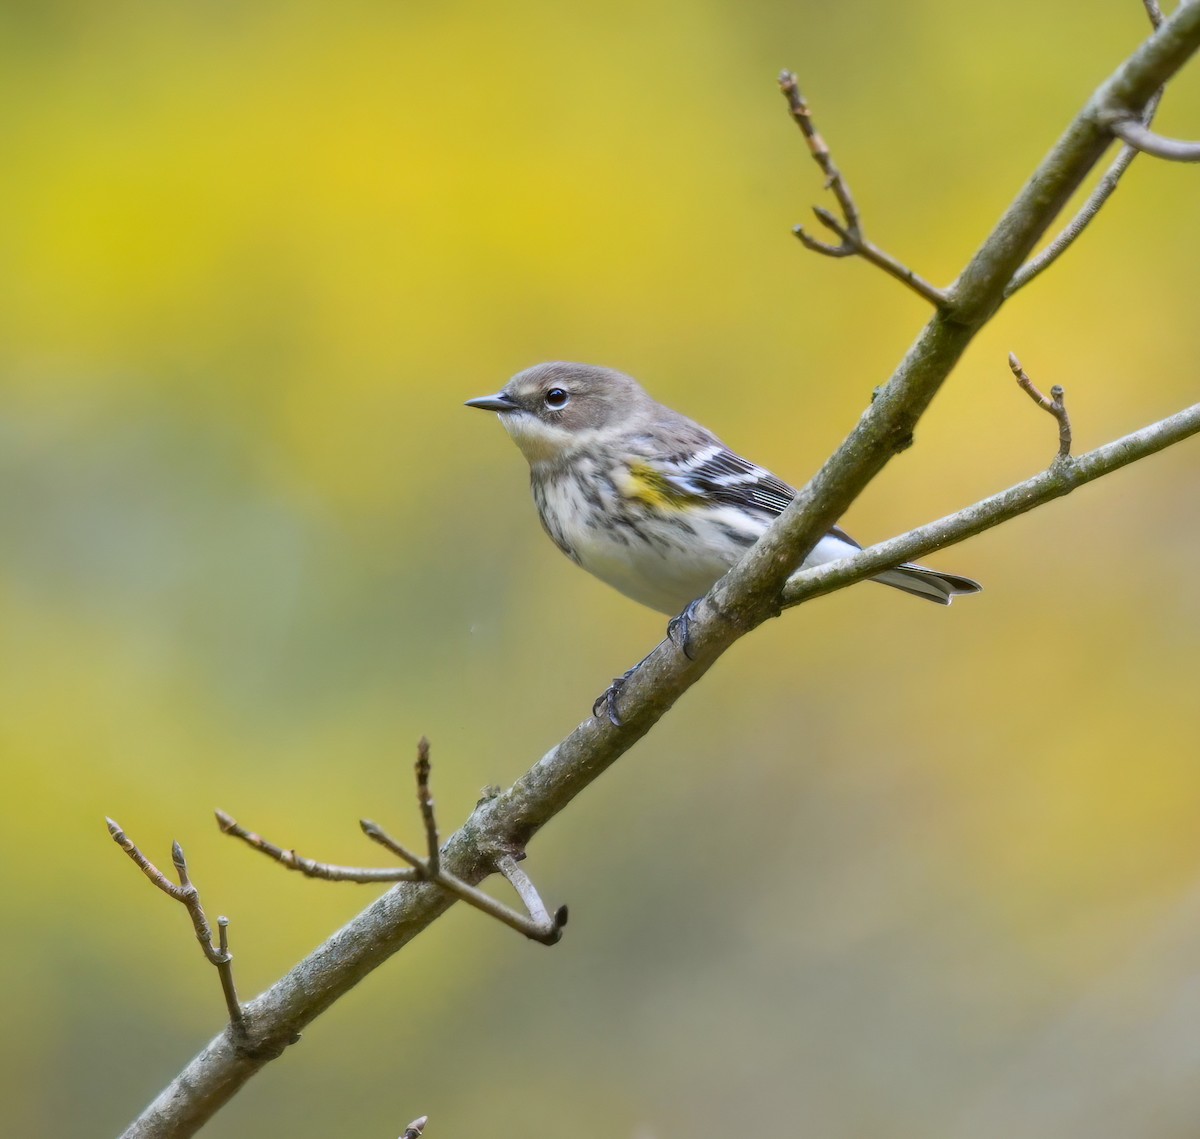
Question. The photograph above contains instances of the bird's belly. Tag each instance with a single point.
(662, 562)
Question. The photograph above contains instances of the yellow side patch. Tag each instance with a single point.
(650, 487)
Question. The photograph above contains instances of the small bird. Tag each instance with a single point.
(646, 499)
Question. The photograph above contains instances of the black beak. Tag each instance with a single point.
(497, 402)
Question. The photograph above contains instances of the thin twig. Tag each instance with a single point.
(523, 884)
(1133, 132)
(1103, 191)
(823, 157)
(1053, 403)
(376, 833)
(415, 1128)
(538, 924)
(1096, 199)
(853, 242)
(189, 897)
(225, 973)
(425, 801)
(309, 867)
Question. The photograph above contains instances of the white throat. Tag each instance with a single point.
(542, 442)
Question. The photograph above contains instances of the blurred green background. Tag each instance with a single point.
(891, 870)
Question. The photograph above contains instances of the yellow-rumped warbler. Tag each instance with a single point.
(646, 499)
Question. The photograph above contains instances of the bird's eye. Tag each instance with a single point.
(557, 398)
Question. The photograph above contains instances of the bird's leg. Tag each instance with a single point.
(679, 628)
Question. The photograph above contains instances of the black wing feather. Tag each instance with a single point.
(722, 476)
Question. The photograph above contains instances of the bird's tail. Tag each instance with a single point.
(933, 585)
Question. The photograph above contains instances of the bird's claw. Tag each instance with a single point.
(679, 628)
(608, 699)
(678, 633)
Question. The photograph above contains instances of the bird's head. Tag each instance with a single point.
(551, 409)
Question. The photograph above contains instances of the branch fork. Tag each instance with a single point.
(849, 231)
(1104, 188)
(536, 923)
(187, 895)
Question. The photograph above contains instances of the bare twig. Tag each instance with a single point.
(823, 157)
(1090, 208)
(537, 925)
(415, 1129)
(521, 882)
(1096, 199)
(376, 833)
(425, 801)
(1053, 403)
(189, 897)
(309, 867)
(1133, 132)
(853, 242)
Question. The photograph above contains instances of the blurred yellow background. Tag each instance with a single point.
(891, 870)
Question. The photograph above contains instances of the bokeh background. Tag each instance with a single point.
(890, 870)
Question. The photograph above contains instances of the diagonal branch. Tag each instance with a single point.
(748, 595)
(390, 922)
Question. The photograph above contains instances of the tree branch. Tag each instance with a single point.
(749, 594)
(1056, 482)
(1096, 199)
(393, 920)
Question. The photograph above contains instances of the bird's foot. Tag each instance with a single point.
(679, 628)
(678, 633)
(608, 699)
